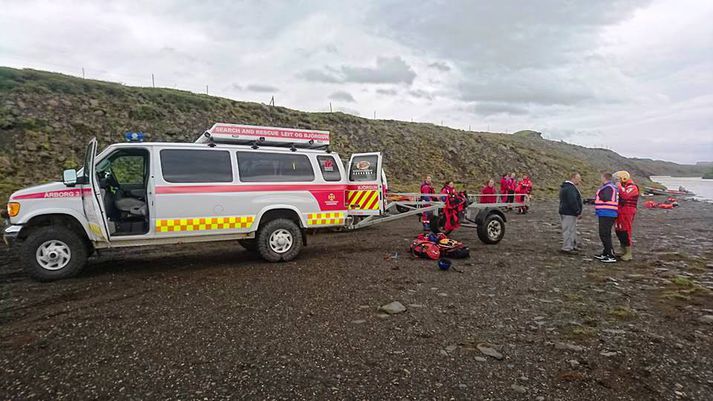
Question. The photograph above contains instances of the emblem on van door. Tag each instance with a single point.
(363, 165)
(331, 196)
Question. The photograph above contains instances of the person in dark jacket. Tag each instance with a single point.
(570, 211)
(606, 206)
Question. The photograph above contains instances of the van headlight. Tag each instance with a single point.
(13, 209)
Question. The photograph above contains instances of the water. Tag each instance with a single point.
(702, 188)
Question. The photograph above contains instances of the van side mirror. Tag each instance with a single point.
(69, 177)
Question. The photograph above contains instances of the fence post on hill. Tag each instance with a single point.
(330, 107)
(82, 72)
(153, 83)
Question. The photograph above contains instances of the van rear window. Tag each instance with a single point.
(274, 167)
(187, 165)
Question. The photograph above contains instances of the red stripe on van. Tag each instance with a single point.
(60, 194)
(198, 189)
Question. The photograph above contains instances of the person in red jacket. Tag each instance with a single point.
(488, 193)
(449, 188)
(628, 199)
(524, 187)
(511, 188)
(504, 187)
(427, 188)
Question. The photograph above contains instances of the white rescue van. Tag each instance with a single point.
(262, 186)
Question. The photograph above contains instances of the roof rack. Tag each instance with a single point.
(257, 136)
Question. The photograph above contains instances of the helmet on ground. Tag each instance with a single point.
(444, 264)
(622, 176)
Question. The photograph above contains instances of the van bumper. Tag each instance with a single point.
(10, 234)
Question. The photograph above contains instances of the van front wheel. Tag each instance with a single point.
(53, 253)
(279, 240)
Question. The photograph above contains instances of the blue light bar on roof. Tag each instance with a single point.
(134, 136)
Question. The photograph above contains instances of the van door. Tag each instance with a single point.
(92, 196)
(364, 186)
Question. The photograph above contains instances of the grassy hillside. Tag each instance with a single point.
(47, 118)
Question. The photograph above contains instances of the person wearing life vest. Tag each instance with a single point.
(427, 188)
(606, 206)
(449, 189)
(628, 199)
(523, 188)
(488, 193)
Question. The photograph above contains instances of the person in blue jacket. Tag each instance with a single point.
(606, 205)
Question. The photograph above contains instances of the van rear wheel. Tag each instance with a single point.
(279, 240)
(53, 253)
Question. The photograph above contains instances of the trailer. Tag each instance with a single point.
(487, 219)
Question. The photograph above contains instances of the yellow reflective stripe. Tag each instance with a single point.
(325, 219)
(204, 223)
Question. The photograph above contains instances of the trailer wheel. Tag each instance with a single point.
(249, 244)
(279, 240)
(492, 230)
(52, 253)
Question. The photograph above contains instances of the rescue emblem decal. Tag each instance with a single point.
(363, 165)
(203, 223)
(325, 219)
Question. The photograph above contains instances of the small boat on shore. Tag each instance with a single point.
(681, 191)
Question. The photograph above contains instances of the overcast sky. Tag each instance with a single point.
(632, 76)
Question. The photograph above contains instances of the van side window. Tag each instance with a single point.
(188, 165)
(329, 168)
(274, 167)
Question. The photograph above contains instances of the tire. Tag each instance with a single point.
(269, 236)
(492, 230)
(249, 244)
(53, 253)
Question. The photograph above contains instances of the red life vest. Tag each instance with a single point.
(628, 195)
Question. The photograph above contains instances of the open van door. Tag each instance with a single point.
(365, 195)
(92, 196)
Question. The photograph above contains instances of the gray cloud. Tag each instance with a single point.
(261, 88)
(440, 66)
(320, 76)
(493, 108)
(565, 67)
(387, 70)
(342, 96)
(387, 92)
(421, 94)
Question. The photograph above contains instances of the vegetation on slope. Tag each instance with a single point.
(46, 120)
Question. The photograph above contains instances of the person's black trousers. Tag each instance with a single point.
(605, 226)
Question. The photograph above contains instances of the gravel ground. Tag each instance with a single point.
(516, 321)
